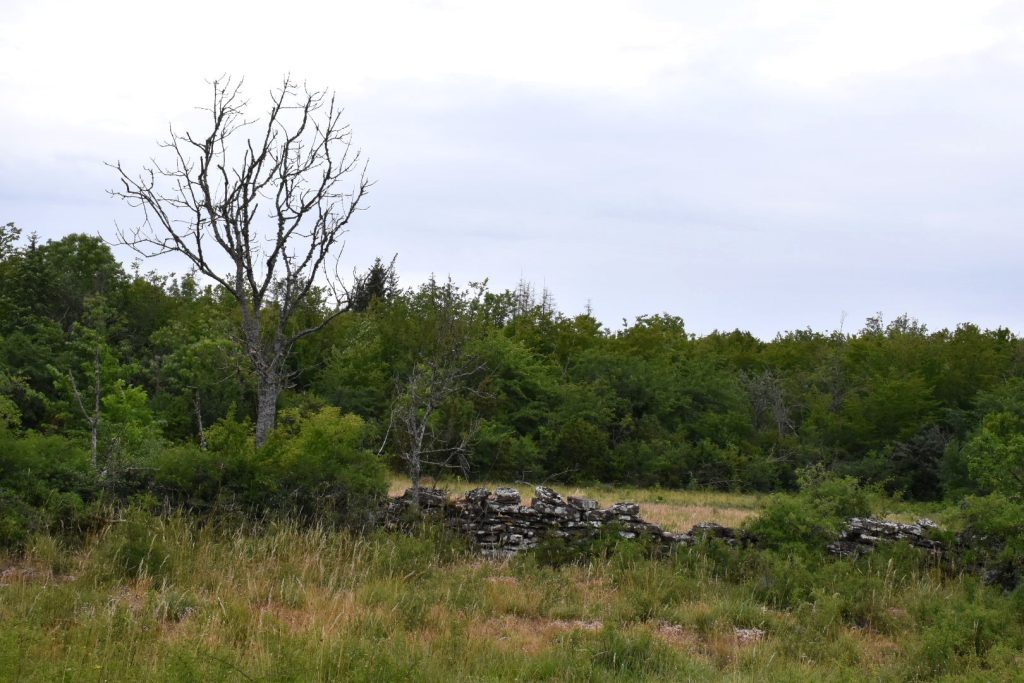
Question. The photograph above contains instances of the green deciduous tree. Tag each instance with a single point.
(995, 452)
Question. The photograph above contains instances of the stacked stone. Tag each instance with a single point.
(502, 526)
(711, 530)
(497, 523)
(862, 534)
(431, 501)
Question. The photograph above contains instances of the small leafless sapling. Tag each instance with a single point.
(427, 427)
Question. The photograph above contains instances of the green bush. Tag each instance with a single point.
(201, 479)
(812, 517)
(993, 535)
(788, 520)
(836, 496)
(45, 482)
(16, 520)
(328, 468)
(314, 466)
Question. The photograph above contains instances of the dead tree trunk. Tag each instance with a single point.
(197, 404)
(267, 391)
(445, 372)
(94, 416)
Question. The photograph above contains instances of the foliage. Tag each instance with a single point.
(993, 527)
(328, 467)
(813, 517)
(318, 467)
(259, 559)
(995, 451)
(46, 484)
(503, 383)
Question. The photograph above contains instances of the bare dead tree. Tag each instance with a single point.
(423, 435)
(422, 439)
(260, 208)
(198, 407)
(768, 400)
(93, 414)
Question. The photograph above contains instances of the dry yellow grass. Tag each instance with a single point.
(528, 635)
(320, 603)
(682, 517)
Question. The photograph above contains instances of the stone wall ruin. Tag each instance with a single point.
(501, 525)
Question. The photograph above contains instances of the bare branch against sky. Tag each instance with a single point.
(765, 165)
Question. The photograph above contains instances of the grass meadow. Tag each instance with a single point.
(166, 598)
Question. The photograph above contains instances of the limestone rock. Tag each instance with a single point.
(587, 504)
(862, 534)
(547, 496)
(477, 495)
(501, 526)
(507, 496)
(625, 509)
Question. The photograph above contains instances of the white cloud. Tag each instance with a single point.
(706, 158)
(824, 44)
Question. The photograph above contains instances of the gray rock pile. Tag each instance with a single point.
(501, 525)
(428, 500)
(863, 534)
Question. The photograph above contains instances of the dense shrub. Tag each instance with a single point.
(812, 517)
(328, 468)
(993, 531)
(318, 465)
(45, 485)
(227, 471)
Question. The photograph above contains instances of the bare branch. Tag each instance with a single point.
(204, 203)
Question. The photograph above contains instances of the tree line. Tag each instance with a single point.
(145, 373)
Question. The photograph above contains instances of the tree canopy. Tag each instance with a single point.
(134, 365)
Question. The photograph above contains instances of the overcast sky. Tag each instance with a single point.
(762, 165)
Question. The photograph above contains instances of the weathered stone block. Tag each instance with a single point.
(507, 496)
(477, 495)
(546, 495)
(583, 503)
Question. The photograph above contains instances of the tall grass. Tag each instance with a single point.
(168, 599)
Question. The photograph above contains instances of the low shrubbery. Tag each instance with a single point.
(46, 485)
(318, 467)
(993, 537)
(813, 516)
